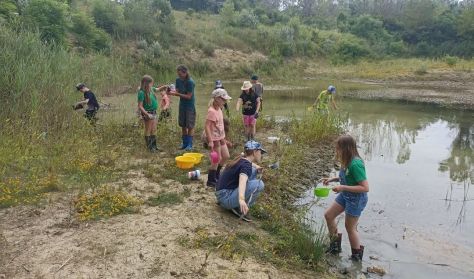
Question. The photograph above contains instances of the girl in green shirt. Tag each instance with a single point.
(352, 197)
(147, 105)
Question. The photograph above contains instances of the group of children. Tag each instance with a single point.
(237, 187)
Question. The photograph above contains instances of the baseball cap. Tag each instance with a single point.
(331, 88)
(254, 145)
(219, 92)
(79, 86)
(254, 77)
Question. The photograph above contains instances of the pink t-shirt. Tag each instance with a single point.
(217, 118)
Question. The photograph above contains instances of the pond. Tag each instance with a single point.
(419, 221)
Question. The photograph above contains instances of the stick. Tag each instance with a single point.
(64, 264)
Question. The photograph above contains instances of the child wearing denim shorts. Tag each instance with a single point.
(352, 197)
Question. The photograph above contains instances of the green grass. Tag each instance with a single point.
(165, 199)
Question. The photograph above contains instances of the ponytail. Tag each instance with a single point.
(145, 86)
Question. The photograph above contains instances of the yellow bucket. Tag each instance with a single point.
(197, 156)
(184, 162)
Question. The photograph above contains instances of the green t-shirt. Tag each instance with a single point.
(355, 172)
(153, 105)
(184, 87)
(324, 98)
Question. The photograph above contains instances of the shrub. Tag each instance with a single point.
(208, 49)
(87, 34)
(49, 17)
(142, 44)
(421, 70)
(451, 60)
(349, 51)
(108, 15)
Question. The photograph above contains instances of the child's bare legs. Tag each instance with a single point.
(224, 153)
(330, 215)
(152, 127)
(217, 147)
(247, 131)
(253, 130)
(351, 228)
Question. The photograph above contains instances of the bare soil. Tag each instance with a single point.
(47, 241)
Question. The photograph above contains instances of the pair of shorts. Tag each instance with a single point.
(90, 114)
(353, 203)
(187, 118)
(150, 112)
(249, 120)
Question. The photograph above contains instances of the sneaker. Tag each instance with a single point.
(246, 218)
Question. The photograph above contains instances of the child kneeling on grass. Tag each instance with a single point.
(238, 188)
(352, 197)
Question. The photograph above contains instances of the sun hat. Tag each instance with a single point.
(219, 92)
(331, 88)
(254, 77)
(254, 145)
(219, 84)
(246, 85)
(79, 86)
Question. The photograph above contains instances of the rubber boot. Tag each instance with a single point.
(357, 254)
(189, 146)
(335, 245)
(154, 146)
(147, 142)
(218, 172)
(211, 179)
(185, 142)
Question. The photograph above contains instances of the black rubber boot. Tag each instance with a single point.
(147, 142)
(211, 178)
(357, 254)
(335, 245)
(154, 146)
(218, 172)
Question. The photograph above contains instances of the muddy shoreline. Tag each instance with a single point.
(447, 90)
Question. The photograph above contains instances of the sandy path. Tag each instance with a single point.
(42, 242)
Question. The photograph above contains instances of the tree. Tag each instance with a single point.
(228, 14)
(87, 34)
(49, 17)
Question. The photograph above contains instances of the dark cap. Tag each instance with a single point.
(254, 77)
(79, 86)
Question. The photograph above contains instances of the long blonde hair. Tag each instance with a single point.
(347, 147)
(146, 87)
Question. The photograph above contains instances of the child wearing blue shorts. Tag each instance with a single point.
(352, 197)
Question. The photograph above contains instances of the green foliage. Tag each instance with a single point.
(451, 60)
(87, 35)
(350, 51)
(8, 9)
(228, 15)
(49, 17)
(108, 15)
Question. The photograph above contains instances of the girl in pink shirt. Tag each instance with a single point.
(215, 134)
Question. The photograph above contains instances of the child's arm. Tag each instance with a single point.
(161, 88)
(208, 133)
(326, 181)
(362, 187)
(258, 105)
(239, 102)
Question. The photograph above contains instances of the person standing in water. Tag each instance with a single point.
(147, 105)
(352, 197)
(324, 98)
(258, 89)
(215, 134)
(250, 103)
(187, 110)
(90, 100)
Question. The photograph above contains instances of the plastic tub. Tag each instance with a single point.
(184, 162)
(321, 192)
(197, 156)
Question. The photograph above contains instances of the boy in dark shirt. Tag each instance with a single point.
(89, 100)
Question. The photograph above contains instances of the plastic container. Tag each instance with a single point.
(322, 192)
(197, 156)
(184, 162)
(273, 139)
(194, 175)
(214, 157)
